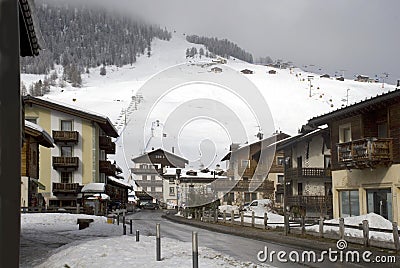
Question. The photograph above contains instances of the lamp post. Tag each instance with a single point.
(177, 181)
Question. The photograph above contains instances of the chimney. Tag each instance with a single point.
(173, 149)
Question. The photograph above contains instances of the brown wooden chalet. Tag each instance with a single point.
(307, 172)
(246, 71)
(366, 134)
(250, 170)
(34, 136)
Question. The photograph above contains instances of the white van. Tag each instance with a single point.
(258, 203)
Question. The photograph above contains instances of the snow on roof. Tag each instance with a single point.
(200, 174)
(119, 181)
(94, 187)
(38, 128)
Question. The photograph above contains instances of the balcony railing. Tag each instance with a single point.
(243, 186)
(65, 187)
(367, 152)
(65, 136)
(107, 168)
(105, 143)
(309, 201)
(65, 162)
(293, 173)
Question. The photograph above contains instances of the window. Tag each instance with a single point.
(280, 161)
(345, 133)
(171, 180)
(349, 203)
(382, 131)
(248, 197)
(66, 125)
(280, 179)
(144, 177)
(245, 164)
(171, 190)
(66, 151)
(300, 188)
(66, 177)
(153, 177)
(379, 201)
(327, 161)
(152, 189)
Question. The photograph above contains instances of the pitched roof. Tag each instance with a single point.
(272, 140)
(103, 121)
(39, 133)
(143, 157)
(29, 45)
(358, 108)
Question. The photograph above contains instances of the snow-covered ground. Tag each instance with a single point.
(292, 95)
(374, 221)
(105, 246)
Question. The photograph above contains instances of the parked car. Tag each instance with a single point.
(150, 206)
(258, 203)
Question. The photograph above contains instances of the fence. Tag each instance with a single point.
(299, 227)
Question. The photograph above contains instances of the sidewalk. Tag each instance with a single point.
(273, 235)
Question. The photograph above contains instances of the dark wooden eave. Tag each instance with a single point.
(373, 103)
(29, 45)
(145, 159)
(104, 122)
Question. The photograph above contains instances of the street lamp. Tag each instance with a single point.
(177, 181)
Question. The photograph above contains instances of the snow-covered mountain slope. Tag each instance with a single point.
(293, 95)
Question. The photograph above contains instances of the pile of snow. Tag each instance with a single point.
(374, 221)
(105, 246)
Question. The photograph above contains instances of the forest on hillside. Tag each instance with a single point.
(224, 47)
(82, 38)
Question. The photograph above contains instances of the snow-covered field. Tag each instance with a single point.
(292, 95)
(105, 246)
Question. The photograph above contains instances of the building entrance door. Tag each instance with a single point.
(379, 201)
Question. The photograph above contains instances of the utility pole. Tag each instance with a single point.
(10, 134)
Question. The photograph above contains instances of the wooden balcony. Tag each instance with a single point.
(149, 183)
(107, 168)
(105, 143)
(305, 201)
(65, 136)
(365, 153)
(300, 173)
(65, 188)
(243, 186)
(65, 162)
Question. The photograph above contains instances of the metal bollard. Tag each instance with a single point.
(195, 250)
(137, 235)
(118, 218)
(253, 221)
(158, 242)
(130, 226)
(124, 229)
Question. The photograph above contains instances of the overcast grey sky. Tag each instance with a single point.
(360, 36)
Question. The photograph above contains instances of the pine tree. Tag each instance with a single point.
(103, 70)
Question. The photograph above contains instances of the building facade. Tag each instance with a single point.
(34, 136)
(83, 140)
(365, 147)
(307, 173)
(148, 171)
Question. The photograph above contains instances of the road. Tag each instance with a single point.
(240, 248)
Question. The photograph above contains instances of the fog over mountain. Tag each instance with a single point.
(350, 37)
